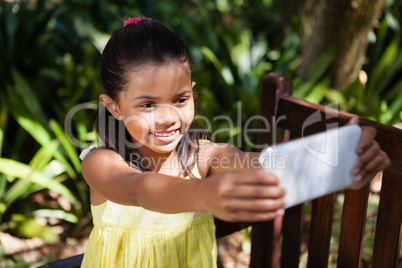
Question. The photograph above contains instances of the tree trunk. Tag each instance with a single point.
(302, 8)
(346, 24)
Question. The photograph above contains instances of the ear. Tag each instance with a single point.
(111, 106)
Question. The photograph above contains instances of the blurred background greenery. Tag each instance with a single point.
(49, 61)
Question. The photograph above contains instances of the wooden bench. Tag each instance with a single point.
(289, 113)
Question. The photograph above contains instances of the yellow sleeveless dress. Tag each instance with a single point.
(128, 236)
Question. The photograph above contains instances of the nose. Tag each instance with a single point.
(166, 115)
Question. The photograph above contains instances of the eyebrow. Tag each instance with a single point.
(183, 93)
(148, 97)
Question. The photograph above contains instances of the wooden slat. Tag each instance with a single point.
(224, 228)
(261, 245)
(352, 228)
(320, 231)
(273, 85)
(262, 234)
(388, 230)
(292, 236)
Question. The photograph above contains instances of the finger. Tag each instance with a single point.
(378, 163)
(257, 192)
(257, 177)
(253, 205)
(368, 135)
(353, 120)
(365, 179)
(248, 216)
(381, 162)
(369, 154)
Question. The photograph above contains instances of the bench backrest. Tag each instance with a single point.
(289, 113)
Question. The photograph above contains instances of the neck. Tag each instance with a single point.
(168, 163)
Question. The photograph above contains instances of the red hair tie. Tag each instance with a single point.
(134, 21)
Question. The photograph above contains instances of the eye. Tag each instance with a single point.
(182, 100)
(148, 105)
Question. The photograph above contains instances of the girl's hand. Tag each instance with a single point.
(243, 196)
(371, 158)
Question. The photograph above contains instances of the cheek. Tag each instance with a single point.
(137, 126)
(189, 114)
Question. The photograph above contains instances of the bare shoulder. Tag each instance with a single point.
(100, 168)
(101, 162)
(98, 158)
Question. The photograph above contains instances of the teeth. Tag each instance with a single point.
(164, 134)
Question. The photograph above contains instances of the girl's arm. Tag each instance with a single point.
(231, 196)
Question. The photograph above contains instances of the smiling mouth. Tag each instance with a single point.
(164, 134)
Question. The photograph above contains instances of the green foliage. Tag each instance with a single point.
(380, 99)
(376, 93)
(41, 82)
(49, 61)
(227, 38)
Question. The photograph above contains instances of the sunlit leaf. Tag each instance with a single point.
(28, 98)
(227, 75)
(20, 189)
(55, 213)
(335, 96)
(97, 38)
(36, 130)
(68, 147)
(315, 73)
(30, 228)
(22, 171)
(317, 93)
(3, 120)
(44, 155)
(258, 52)
(382, 66)
(212, 57)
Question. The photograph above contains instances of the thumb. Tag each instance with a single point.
(353, 120)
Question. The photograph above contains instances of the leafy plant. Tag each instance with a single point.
(35, 152)
(380, 99)
(47, 169)
(376, 93)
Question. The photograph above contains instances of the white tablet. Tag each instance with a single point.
(316, 165)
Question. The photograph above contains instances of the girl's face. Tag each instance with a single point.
(157, 107)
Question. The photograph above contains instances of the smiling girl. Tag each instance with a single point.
(153, 186)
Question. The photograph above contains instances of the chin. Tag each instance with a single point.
(165, 148)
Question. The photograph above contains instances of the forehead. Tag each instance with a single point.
(158, 79)
(148, 71)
